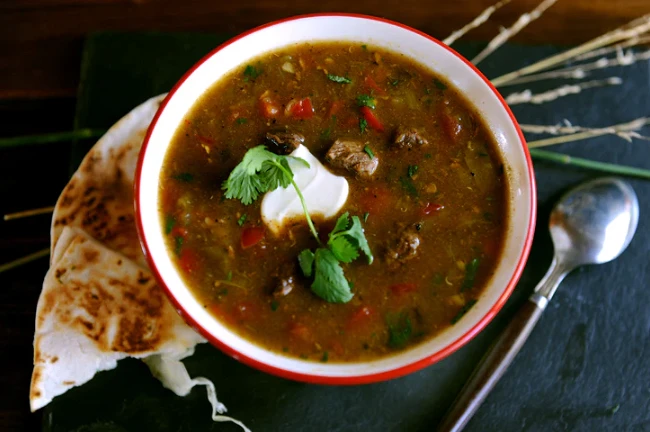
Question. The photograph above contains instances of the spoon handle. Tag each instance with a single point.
(497, 359)
(493, 366)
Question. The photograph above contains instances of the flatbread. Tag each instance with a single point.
(97, 307)
(99, 196)
(99, 302)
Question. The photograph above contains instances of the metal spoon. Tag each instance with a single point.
(591, 224)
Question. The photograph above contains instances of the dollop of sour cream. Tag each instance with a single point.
(324, 193)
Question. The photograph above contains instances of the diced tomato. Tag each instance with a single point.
(302, 109)
(251, 236)
(189, 260)
(334, 108)
(431, 209)
(372, 120)
(372, 85)
(450, 125)
(337, 348)
(360, 317)
(218, 311)
(205, 140)
(375, 200)
(403, 288)
(245, 311)
(491, 247)
(178, 231)
(269, 108)
(300, 331)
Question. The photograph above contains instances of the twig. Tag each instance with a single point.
(528, 97)
(50, 138)
(590, 164)
(633, 29)
(24, 260)
(581, 71)
(615, 48)
(483, 17)
(506, 34)
(576, 133)
(28, 213)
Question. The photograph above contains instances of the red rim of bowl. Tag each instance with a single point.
(359, 379)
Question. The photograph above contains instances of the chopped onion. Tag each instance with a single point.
(288, 67)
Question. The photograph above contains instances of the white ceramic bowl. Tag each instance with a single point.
(359, 29)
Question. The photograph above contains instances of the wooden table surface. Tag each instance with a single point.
(40, 49)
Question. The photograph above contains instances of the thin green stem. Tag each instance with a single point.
(50, 137)
(590, 164)
(302, 200)
(24, 260)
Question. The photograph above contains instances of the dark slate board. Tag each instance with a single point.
(585, 367)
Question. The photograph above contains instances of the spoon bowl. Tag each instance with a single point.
(591, 224)
(595, 222)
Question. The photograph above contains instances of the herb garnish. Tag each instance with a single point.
(366, 100)
(368, 150)
(463, 311)
(343, 246)
(261, 171)
(408, 186)
(229, 276)
(339, 79)
(251, 72)
(242, 219)
(412, 170)
(325, 357)
(170, 222)
(183, 177)
(241, 120)
(364, 47)
(400, 331)
(363, 125)
(439, 84)
(470, 274)
(274, 305)
(178, 244)
(325, 135)
(365, 217)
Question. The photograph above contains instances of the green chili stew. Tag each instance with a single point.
(409, 253)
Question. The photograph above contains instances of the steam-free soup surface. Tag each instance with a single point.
(433, 209)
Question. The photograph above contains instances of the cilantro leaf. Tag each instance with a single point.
(412, 170)
(242, 219)
(363, 125)
(439, 84)
(366, 100)
(306, 261)
(251, 72)
(261, 171)
(354, 234)
(183, 177)
(399, 332)
(470, 274)
(330, 283)
(343, 249)
(369, 151)
(254, 176)
(170, 222)
(463, 311)
(339, 79)
(342, 223)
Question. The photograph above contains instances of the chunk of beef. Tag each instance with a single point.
(408, 137)
(285, 281)
(351, 155)
(283, 142)
(404, 248)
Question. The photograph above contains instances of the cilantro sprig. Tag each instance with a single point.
(343, 245)
(261, 171)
